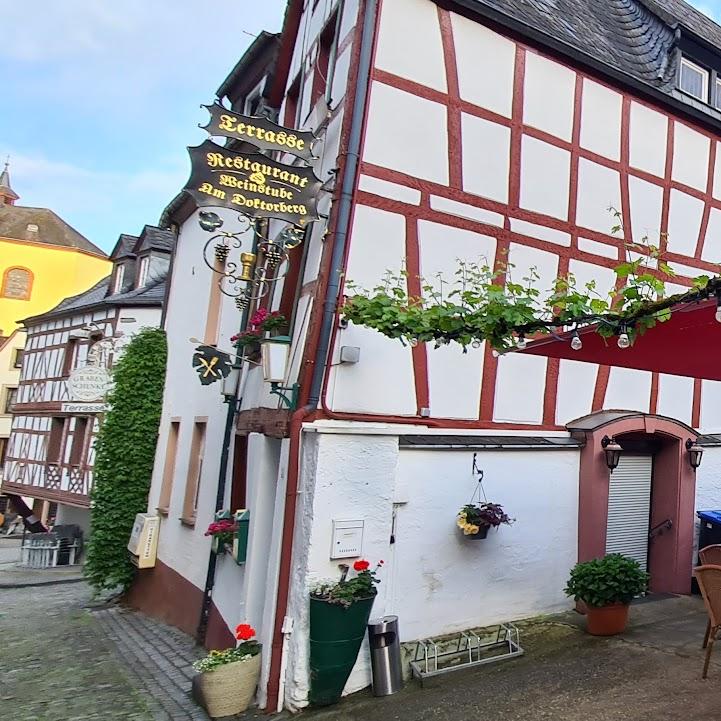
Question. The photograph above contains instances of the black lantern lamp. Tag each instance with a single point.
(209, 221)
(695, 452)
(612, 451)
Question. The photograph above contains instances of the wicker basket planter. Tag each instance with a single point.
(228, 689)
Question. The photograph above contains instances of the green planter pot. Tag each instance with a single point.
(336, 634)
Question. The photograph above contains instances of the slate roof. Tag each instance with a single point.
(52, 229)
(124, 247)
(151, 294)
(637, 39)
(153, 238)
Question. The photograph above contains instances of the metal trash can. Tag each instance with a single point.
(385, 649)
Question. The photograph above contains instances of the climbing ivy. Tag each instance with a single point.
(124, 455)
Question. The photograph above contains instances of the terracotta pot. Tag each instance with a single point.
(607, 620)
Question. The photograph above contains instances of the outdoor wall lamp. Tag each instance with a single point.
(612, 451)
(275, 358)
(695, 453)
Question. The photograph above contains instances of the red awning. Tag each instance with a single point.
(689, 344)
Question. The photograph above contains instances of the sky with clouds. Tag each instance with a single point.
(99, 99)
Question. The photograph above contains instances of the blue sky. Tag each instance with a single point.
(99, 99)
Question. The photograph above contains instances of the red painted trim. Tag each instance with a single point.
(653, 400)
(599, 391)
(696, 403)
(419, 352)
(455, 143)
(625, 156)
(663, 240)
(516, 123)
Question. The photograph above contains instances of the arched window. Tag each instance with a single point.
(17, 284)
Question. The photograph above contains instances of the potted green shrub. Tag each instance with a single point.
(227, 679)
(474, 519)
(606, 586)
(339, 613)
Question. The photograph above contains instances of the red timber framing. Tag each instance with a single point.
(455, 105)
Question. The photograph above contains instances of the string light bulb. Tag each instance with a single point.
(521, 342)
(623, 340)
(576, 342)
(718, 305)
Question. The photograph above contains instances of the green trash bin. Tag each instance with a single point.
(336, 635)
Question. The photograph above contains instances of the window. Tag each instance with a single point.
(69, 358)
(3, 451)
(291, 104)
(195, 469)
(119, 277)
(55, 440)
(238, 489)
(693, 80)
(78, 444)
(143, 272)
(321, 79)
(717, 101)
(17, 284)
(18, 358)
(11, 395)
(171, 450)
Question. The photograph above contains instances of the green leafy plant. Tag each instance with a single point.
(349, 590)
(245, 650)
(603, 581)
(125, 453)
(485, 303)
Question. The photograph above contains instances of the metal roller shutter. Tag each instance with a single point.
(629, 506)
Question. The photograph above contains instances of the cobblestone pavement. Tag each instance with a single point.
(62, 661)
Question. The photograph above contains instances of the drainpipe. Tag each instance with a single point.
(345, 205)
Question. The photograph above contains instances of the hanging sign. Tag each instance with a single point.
(83, 407)
(264, 134)
(211, 364)
(90, 383)
(252, 184)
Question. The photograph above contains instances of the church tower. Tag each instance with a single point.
(7, 195)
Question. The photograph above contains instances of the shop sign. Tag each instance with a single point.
(83, 407)
(262, 133)
(211, 364)
(90, 383)
(252, 184)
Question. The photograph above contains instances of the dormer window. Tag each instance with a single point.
(694, 80)
(118, 280)
(143, 271)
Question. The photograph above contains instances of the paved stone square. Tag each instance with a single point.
(62, 659)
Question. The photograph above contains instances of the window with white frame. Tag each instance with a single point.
(119, 276)
(717, 99)
(143, 272)
(693, 79)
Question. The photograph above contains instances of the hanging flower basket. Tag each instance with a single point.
(222, 531)
(477, 517)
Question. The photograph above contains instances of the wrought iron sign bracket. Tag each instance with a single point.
(290, 402)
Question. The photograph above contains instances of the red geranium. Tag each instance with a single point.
(244, 632)
(361, 565)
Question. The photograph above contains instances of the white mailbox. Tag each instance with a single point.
(347, 539)
(143, 542)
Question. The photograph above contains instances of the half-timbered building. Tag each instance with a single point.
(50, 453)
(468, 130)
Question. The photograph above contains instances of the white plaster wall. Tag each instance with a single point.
(601, 120)
(690, 157)
(180, 547)
(710, 407)
(420, 58)
(395, 145)
(708, 481)
(548, 93)
(684, 222)
(520, 387)
(675, 395)
(544, 177)
(585, 273)
(628, 389)
(646, 201)
(382, 381)
(479, 47)
(599, 188)
(73, 515)
(712, 242)
(519, 570)
(647, 143)
(576, 385)
(486, 157)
